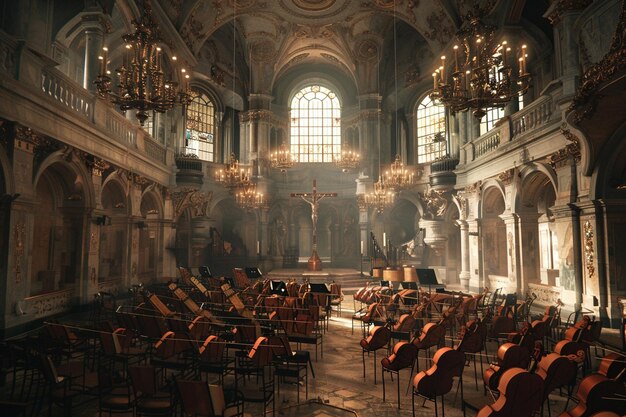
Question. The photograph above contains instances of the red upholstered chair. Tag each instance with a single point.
(432, 334)
(520, 395)
(403, 357)
(378, 338)
(438, 379)
(556, 371)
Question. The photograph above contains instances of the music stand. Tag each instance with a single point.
(205, 272)
(384, 283)
(278, 288)
(229, 281)
(253, 272)
(409, 285)
(320, 289)
(427, 277)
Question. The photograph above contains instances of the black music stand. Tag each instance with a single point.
(409, 285)
(278, 288)
(205, 272)
(427, 277)
(253, 273)
(321, 289)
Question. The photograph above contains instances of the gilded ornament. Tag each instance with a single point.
(589, 251)
(18, 252)
(571, 150)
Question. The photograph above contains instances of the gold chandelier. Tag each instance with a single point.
(378, 199)
(483, 74)
(397, 177)
(142, 83)
(248, 198)
(282, 158)
(233, 175)
(347, 159)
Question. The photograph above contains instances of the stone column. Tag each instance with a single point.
(370, 134)
(464, 275)
(93, 26)
(258, 140)
(529, 242)
(563, 15)
(513, 254)
(477, 272)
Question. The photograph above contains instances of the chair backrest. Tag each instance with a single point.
(403, 356)
(556, 371)
(195, 398)
(261, 353)
(520, 395)
(212, 350)
(144, 380)
(379, 337)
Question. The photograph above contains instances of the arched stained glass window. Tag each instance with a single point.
(315, 124)
(200, 132)
(431, 131)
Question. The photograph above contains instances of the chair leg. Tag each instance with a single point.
(382, 372)
(398, 382)
(413, 403)
(363, 356)
(374, 367)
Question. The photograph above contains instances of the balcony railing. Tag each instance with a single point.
(65, 91)
(445, 164)
(486, 143)
(532, 117)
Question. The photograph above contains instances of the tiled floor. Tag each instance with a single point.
(339, 383)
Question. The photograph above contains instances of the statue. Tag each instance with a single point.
(279, 233)
(348, 236)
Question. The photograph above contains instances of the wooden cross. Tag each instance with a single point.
(315, 263)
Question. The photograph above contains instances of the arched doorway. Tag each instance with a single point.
(57, 230)
(540, 254)
(494, 239)
(149, 250)
(113, 221)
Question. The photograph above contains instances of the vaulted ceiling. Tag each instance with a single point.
(347, 37)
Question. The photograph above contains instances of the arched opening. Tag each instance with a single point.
(540, 254)
(494, 238)
(57, 230)
(402, 223)
(149, 238)
(113, 233)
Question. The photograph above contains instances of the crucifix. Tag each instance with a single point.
(315, 263)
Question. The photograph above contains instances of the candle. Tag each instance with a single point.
(384, 239)
(361, 247)
(505, 48)
(258, 247)
(443, 69)
(521, 66)
(456, 53)
(524, 59)
(434, 80)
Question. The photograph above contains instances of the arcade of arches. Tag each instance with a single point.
(91, 201)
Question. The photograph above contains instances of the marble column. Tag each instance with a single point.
(563, 15)
(464, 275)
(476, 266)
(370, 134)
(511, 222)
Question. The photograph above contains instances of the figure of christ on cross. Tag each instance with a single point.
(315, 263)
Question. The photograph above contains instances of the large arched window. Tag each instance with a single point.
(315, 124)
(431, 131)
(200, 132)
